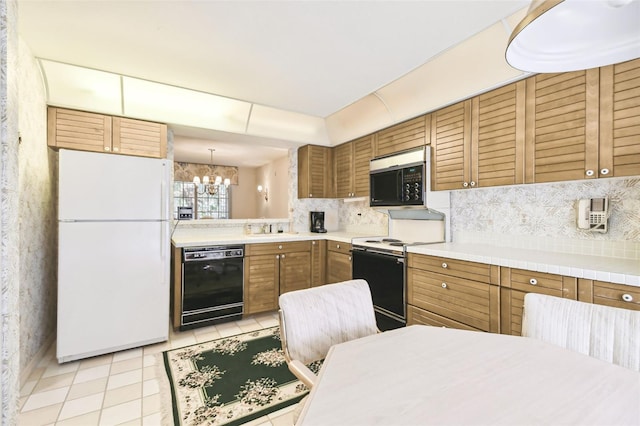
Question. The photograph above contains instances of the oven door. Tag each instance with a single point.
(385, 274)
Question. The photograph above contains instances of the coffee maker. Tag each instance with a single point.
(317, 222)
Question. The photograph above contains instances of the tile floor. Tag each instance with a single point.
(123, 388)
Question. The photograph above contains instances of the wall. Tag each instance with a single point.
(243, 195)
(9, 214)
(274, 178)
(38, 226)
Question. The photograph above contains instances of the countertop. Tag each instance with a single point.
(203, 238)
(610, 269)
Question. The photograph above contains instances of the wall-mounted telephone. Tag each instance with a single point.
(593, 214)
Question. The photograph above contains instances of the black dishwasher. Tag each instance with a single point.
(212, 285)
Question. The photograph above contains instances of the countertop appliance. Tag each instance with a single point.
(113, 253)
(381, 262)
(212, 285)
(317, 222)
(399, 179)
(185, 213)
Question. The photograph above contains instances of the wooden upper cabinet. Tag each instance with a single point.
(343, 163)
(451, 142)
(498, 136)
(352, 167)
(315, 172)
(141, 138)
(86, 131)
(406, 135)
(562, 126)
(619, 120)
(79, 130)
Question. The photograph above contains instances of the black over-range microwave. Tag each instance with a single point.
(399, 179)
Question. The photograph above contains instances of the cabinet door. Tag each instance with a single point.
(497, 136)
(315, 172)
(609, 294)
(338, 267)
(261, 274)
(406, 135)
(620, 120)
(420, 316)
(295, 271)
(562, 126)
(362, 155)
(343, 157)
(141, 138)
(79, 130)
(451, 141)
(318, 262)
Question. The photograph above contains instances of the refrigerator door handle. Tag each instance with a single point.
(164, 188)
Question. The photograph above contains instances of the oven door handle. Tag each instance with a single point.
(378, 254)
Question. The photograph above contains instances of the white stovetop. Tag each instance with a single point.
(610, 269)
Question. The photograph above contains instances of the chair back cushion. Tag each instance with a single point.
(314, 319)
(610, 334)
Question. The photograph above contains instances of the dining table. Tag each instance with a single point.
(424, 375)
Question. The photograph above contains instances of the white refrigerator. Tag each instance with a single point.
(113, 253)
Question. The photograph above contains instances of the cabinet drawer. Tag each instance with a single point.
(616, 295)
(276, 248)
(456, 268)
(420, 316)
(462, 300)
(540, 282)
(337, 246)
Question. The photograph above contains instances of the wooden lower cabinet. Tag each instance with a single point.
(338, 262)
(453, 293)
(609, 294)
(271, 269)
(518, 282)
(318, 262)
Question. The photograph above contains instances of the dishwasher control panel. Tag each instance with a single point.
(212, 253)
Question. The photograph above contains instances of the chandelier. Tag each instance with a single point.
(210, 186)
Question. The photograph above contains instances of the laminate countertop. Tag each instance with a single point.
(602, 268)
(200, 237)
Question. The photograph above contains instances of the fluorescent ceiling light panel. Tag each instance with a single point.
(277, 123)
(82, 88)
(176, 105)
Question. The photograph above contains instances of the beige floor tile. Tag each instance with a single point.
(92, 373)
(157, 348)
(154, 419)
(57, 369)
(150, 387)
(121, 413)
(136, 422)
(126, 365)
(80, 390)
(124, 379)
(149, 373)
(151, 404)
(123, 394)
(89, 419)
(96, 361)
(44, 399)
(40, 416)
(229, 329)
(205, 330)
(36, 373)
(201, 338)
(260, 421)
(54, 382)
(151, 360)
(81, 406)
(285, 419)
(28, 387)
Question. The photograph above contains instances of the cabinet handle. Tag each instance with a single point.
(280, 247)
(444, 285)
(310, 195)
(465, 184)
(349, 258)
(444, 265)
(589, 173)
(337, 245)
(106, 148)
(472, 184)
(604, 171)
(277, 256)
(627, 297)
(116, 149)
(282, 256)
(313, 243)
(533, 281)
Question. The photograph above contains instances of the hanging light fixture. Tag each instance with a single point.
(211, 187)
(571, 35)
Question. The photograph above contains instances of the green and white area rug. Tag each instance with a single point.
(232, 380)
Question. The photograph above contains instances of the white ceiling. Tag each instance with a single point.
(309, 57)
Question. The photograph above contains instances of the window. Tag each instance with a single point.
(205, 205)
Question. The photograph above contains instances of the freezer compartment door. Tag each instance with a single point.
(95, 186)
(113, 287)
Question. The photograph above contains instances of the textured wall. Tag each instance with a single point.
(9, 213)
(38, 226)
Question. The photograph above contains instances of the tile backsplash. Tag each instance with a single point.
(543, 216)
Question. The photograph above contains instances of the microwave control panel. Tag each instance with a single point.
(412, 184)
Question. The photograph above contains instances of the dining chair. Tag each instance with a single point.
(603, 332)
(314, 319)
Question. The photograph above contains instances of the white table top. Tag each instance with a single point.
(422, 375)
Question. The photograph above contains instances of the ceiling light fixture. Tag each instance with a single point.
(211, 188)
(571, 35)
